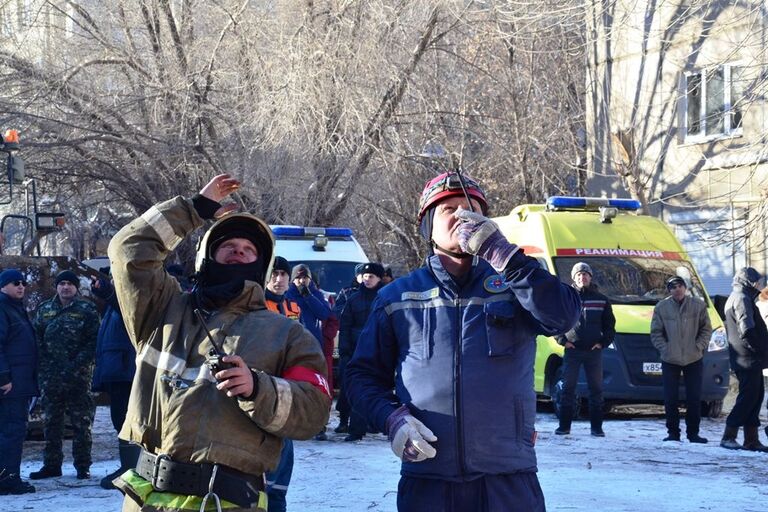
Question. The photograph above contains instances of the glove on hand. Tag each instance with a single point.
(481, 236)
(408, 436)
(303, 290)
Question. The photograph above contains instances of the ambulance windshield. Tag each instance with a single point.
(633, 280)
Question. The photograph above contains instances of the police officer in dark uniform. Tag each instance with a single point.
(66, 327)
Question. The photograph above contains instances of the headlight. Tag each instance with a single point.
(718, 341)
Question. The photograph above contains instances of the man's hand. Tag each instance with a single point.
(568, 344)
(237, 381)
(409, 437)
(218, 188)
(596, 346)
(479, 235)
(7, 388)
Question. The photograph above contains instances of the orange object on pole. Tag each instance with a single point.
(11, 136)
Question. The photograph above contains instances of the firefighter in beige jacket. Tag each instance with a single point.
(207, 435)
(680, 331)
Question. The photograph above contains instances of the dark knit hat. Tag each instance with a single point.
(359, 268)
(281, 264)
(373, 268)
(675, 280)
(300, 270)
(10, 275)
(68, 275)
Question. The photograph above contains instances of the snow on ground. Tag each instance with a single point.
(629, 470)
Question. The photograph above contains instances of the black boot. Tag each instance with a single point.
(343, 427)
(596, 421)
(751, 441)
(565, 422)
(129, 456)
(12, 484)
(45, 472)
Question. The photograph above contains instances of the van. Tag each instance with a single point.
(632, 256)
(330, 253)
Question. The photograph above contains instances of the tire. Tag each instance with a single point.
(712, 409)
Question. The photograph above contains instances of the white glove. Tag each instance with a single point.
(409, 437)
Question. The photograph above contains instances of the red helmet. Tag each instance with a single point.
(448, 185)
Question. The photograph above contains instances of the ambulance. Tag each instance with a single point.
(631, 256)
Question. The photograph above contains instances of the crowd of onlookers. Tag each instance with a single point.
(468, 326)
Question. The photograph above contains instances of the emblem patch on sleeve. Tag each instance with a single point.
(495, 284)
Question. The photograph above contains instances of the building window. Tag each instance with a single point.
(714, 102)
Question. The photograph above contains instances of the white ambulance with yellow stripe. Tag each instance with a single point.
(632, 256)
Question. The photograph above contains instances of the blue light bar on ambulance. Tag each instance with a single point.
(310, 231)
(590, 203)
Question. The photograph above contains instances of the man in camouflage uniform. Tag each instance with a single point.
(66, 327)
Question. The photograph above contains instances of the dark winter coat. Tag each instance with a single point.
(341, 298)
(354, 316)
(115, 355)
(18, 349)
(461, 359)
(747, 332)
(596, 324)
(314, 308)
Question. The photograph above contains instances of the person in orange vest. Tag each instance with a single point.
(275, 299)
(277, 286)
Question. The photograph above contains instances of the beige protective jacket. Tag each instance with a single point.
(681, 332)
(174, 406)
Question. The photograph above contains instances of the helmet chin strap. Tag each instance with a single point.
(460, 255)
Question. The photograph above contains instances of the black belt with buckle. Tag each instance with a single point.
(167, 475)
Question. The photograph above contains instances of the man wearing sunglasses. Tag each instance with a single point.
(18, 379)
(456, 341)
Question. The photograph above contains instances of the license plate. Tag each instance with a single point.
(652, 368)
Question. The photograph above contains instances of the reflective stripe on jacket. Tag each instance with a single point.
(462, 359)
(596, 324)
(175, 408)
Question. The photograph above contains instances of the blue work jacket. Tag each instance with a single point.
(115, 355)
(462, 359)
(18, 349)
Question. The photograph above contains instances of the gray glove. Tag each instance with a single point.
(409, 437)
(479, 235)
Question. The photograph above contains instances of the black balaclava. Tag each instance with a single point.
(219, 283)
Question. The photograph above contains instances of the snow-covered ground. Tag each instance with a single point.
(629, 470)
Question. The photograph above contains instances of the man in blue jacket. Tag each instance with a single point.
(455, 339)
(18, 379)
(314, 309)
(114, 371)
